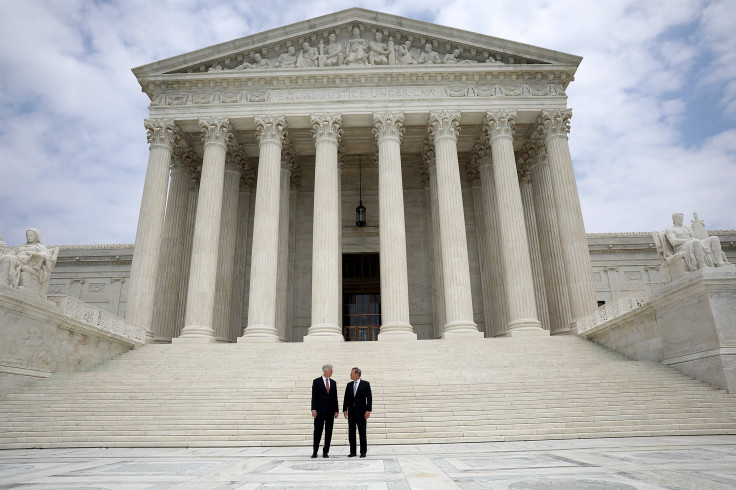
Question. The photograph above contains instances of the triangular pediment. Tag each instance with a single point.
(356, 38)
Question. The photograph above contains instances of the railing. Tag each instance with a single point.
(632, 300)
(80, 311)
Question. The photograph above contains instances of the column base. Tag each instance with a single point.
(259, 334)
(461, 330)
(526, 327)
(195, 335)
(322, 333)
(397, 332)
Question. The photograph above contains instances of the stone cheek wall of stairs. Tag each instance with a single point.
(430, 391)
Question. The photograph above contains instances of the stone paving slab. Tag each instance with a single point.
(672, 462)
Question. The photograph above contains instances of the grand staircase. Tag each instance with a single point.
(429, 391)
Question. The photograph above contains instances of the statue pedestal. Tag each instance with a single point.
(689, 324)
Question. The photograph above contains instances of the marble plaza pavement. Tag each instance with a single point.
(672, 462)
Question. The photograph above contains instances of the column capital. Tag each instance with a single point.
(473, 172)
(527, 159)
(554, 123)
(388, 125)
(235, 159)
(444, 124)
(481, 153)
(288, 157)
(248, 178)
(184, 159)
(499, 124)
(327, 127)
(428, 154)
(271, 129)
(162, 132)
(216, 130)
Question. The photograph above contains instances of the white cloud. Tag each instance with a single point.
(73, 147)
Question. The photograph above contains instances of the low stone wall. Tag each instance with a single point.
(41, 337)
(689, 324)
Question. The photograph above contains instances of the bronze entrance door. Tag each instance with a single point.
(361, 318)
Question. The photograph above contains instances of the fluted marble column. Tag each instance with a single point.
(264, 262)
(186, 264)
(554, 125)
(527, 200)
(237, 310)
(555, 286)
(169, 280)
(492, 246)
(395, 325)
(162, 134)
(444, 129)
(521, 307)
(198, 321)
(234, 163)
(326, 232)
(473, 172)
(438, 288)
(288, 162)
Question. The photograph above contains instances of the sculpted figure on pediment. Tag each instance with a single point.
(452, 58)
(332, 54)
(288, 59)
(378, 52)
(357, 50)
(429, 56)
(258, 62)
(493, 61)
(28, 267)
(308, 57)
(405, 55)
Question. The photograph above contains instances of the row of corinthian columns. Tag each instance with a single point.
(534, 260)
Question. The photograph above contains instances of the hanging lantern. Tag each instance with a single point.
(360, 210)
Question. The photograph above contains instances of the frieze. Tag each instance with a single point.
(359, 93)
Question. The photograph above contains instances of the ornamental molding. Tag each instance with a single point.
(170, 97)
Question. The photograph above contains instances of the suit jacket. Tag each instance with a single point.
(322, 402)
(362, 401)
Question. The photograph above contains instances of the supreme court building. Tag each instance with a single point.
(262, 148)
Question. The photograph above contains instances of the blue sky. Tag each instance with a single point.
(654, 101)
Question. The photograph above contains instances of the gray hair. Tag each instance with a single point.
(357, 371)
(326, 367)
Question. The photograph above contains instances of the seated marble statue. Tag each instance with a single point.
(308, 57)
(357, 50)
(378, 51)
(405, 56)
(28, 267)
(258, 62)
(288, 59)
(429, 56)
(693, 244)
(332, 54)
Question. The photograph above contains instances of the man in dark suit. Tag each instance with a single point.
(357, 406)
(325, 409)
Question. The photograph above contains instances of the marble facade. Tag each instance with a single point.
(253, 175)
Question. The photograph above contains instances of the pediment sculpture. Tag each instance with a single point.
(357, 50)
(28, 267)
(685, 249)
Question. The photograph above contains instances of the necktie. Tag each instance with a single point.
(327, 385)
(355, 388)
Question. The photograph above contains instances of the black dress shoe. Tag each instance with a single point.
(325, 455)
(362, 455)
(352, 455)
(314, 455)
